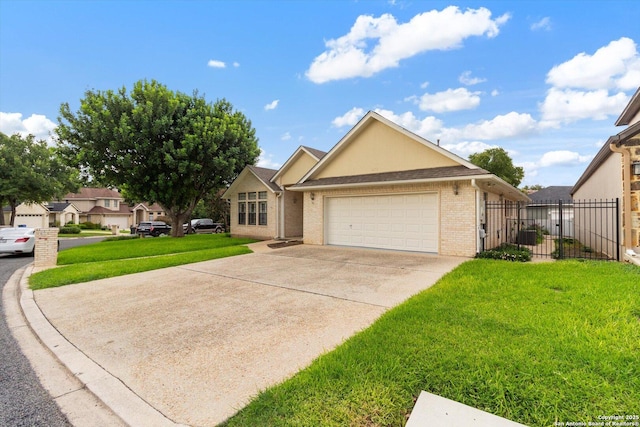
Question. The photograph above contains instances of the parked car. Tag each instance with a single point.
(203, 225)
(153, 228)
(18, 240)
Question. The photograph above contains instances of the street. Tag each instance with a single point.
(23, 400)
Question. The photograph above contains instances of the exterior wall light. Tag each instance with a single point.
(635, 168)
(313, 196)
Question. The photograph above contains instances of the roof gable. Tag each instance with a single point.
(262, 175)
(303, 159)
(631, 113)
(377, 145)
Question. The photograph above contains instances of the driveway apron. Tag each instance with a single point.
(198, 341)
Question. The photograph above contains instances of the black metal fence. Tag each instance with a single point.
(558, 229)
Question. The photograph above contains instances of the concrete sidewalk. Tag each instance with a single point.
(191, 345)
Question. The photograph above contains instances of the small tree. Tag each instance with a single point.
(498, 162)
(158, 145)
(31, 172)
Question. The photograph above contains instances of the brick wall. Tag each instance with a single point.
(457, 213)
(249, 184)
(46, 254)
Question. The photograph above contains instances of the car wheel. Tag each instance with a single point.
(218, 230)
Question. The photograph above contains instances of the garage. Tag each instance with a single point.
(406, 222)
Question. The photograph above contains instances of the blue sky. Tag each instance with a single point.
(544, 80)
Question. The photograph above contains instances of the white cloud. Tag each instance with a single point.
(266, 161)
(236, 64)
(285, 137)
(466, 79)
(562, 158)
(616, 65)
(216, 64)
(495, 92)
(565, 106)
(424, 85)
(543, 24)
(429, 127)
(449, 100)
(37, 125)
(272, 105)
(350, 118)
(503, 126)
(464, 149)
(348, 56)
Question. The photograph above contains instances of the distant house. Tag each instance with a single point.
(548, 206)
(615, 173)
(43, 215)
(102, 206)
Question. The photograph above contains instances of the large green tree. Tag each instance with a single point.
(157, 145)
(498, 162)
(31, 172)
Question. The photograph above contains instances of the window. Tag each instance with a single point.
(262, 213)
(252, 196)
(242, 196)
(252, 212)
(242, 213)
(115, 204)
(262, 195)
(150, 216)
(107, 203)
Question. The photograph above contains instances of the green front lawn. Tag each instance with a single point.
(534, 343)
(120, 257)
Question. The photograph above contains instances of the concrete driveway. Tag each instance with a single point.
(197, 342)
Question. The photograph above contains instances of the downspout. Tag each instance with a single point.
(479, 228)
(626, 192)
(279, 215)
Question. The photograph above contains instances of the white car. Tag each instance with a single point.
(17, 240)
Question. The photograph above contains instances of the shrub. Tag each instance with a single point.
(70, 230)
(507, 252)
(89, 226)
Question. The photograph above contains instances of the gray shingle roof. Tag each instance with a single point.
(552, 193)
(410, 175)
(265, 176)
(318, 153)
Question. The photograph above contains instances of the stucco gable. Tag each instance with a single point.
(300, 162)
(377, 145)
(256, 177)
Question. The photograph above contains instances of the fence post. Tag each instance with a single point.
(518, 229)
(617, 224)
(561, 232)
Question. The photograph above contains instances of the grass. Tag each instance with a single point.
(534, 343)
(119, 257)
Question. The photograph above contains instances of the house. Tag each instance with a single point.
(107, 207)
(614, 173)
(43, 215)
(380, 186)
(548, 206)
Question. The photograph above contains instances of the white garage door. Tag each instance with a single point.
(407, 222)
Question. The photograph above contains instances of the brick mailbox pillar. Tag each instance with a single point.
(46, 254)
(115, 229)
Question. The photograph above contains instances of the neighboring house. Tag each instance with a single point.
(106, 207)
(615, 173)
(545, 209)
(146, 212)
(380, 186)
(43, 215)
(101, 206)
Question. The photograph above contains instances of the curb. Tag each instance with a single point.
(109, 390)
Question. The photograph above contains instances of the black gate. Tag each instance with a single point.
(557, 229)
